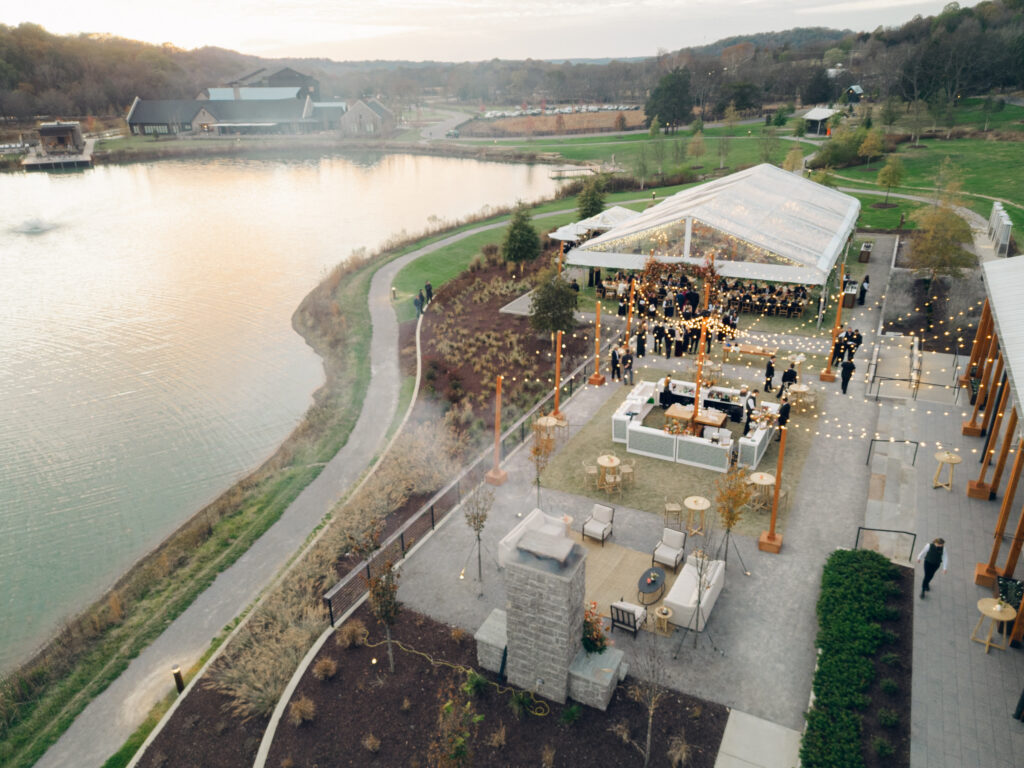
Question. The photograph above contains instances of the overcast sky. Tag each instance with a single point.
(455, 30)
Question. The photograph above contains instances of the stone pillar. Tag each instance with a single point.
(544, 620)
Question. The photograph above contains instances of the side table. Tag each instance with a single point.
(662, 617)
(993, 610)
(945, 458)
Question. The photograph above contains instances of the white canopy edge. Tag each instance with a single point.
(1004, 281)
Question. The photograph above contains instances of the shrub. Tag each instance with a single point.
(621, 729)
(889, 686)
(497, 739)
(371, 743)
(678, 750)
(352, 635)
(520, 704)
(406, 704)
(571, 714)
(891, 659)
(458, 635)
(300, 711)
(888, 718)
(475, 683)
(882, 746)
(325, 668)
(594, 638)
(547, 756)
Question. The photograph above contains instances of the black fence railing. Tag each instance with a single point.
(874, 440)
(911, 534)
(347, 592)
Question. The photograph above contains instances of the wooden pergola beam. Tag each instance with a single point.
(985, 573)
(980, 342)
(979, 489)
(972, 428)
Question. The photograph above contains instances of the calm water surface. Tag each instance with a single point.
(147, 358)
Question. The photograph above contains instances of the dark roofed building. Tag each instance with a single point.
(283, 77)
(173, 116)
(61, 138)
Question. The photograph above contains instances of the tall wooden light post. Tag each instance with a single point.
(596, 378)
(770, 541)
(558, 374)
(700, 361)
(496, 475)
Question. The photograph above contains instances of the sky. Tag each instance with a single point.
(455, 30)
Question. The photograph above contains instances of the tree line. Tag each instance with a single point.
(961, 51)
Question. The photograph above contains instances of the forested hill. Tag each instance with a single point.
(962, 51)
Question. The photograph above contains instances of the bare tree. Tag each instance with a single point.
(476, 509)
(384, 603)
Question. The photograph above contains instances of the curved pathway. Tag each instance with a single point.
(109, 719)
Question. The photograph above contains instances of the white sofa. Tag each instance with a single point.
(682, 598)
(535, 521)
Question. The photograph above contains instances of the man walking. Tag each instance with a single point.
(934, 555)
(627, 367)
(769, 374)
(788, 378)
(783, 416)
(430, 291)
(616, 374)
(847, 374)
(749, 406)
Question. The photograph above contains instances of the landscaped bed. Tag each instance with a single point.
(861, 711)
(400, 711)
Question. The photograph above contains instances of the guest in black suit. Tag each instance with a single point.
(769, 374)
(788, 377)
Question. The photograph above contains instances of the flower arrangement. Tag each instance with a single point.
(594, 638)
(652, 577)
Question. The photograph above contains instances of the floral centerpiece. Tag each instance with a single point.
(594, 638)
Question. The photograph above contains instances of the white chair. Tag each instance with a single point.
(670, 550)
(599, 525)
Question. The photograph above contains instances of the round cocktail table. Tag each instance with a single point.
(651, 584)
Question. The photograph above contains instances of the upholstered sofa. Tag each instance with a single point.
(535, 521)
(682, 598)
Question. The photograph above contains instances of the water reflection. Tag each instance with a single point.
(146, 354)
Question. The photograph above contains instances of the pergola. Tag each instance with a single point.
(761, 224)
(996, 365)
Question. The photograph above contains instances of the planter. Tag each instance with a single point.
(865, 253)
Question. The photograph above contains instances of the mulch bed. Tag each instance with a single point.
(202, 734)
(900, 673)
(401, 711)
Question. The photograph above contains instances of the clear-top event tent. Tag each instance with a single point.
(762, 224)
(610, 217)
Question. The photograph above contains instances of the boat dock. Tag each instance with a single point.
(39, 160)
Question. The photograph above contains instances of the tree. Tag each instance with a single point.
(723, 150)
(940, 231)
(655, 128)
(769, 144)
(696, 148)
(640, 167)
(889, 114)
(732, 116)
(794, 159)
(521, 240)
(918, 112)
(591, 199)
(818, 88)
(553, 304)
(732, 494)
(383, 595)
(476, 509)
(799, 127)
(620, 122)
(871, 146)
(781, 117)
(891, 174)
(670, 101)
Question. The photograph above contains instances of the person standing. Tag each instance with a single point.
(856, 339)
(749, 407)
(430, 291)
(670, 341)
(641, 341)
(769, 373)
(788, 377)
(417, 301)
(616, 374)
(659, 335)
(863, 289)
(839, 352)
(934, 555)
(627, 366)
(847, 374)
(423, 303)
(783, 416)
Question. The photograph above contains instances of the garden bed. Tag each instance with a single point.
(860, 717)
(401, 712)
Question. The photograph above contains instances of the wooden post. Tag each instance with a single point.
(1011, 428)
(558, 374)
(700, 365)
(496, 475)
(561, 253)
(992, 406)
(826, 372)
(979, 489)
(980, 342)
(1011, 557)
(985, 573)
(629, 309)
(597, 379)
(972, 428)
(769, 541)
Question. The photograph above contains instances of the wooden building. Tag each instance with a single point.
(61, 138)
(367, 118)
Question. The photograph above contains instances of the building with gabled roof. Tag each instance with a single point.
(367, 118)
(177, 116)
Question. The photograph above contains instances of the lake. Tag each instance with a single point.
(147, 359)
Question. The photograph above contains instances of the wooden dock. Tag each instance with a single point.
(40, 161)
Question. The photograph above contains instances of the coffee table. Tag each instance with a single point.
(655, 587)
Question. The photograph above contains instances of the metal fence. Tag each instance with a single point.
(347, 592)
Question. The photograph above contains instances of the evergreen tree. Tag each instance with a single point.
(521, 240)
(591, 199)
(553, 304)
